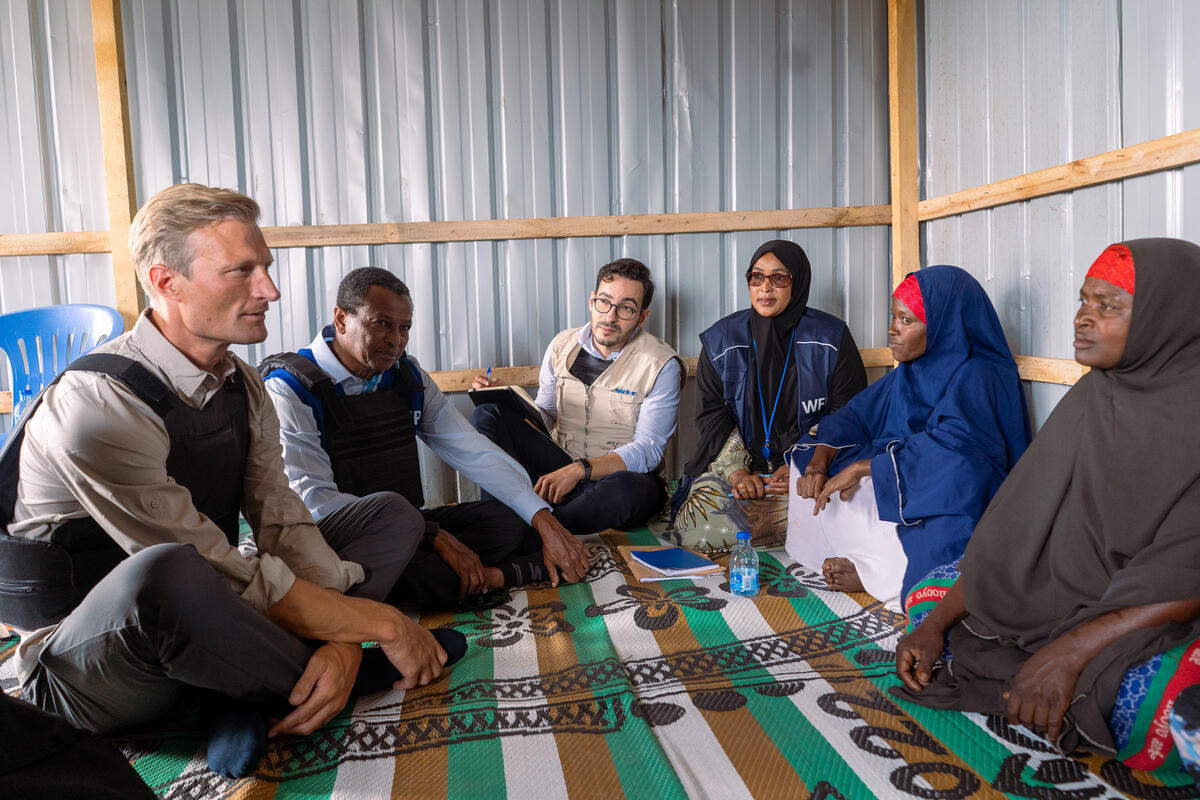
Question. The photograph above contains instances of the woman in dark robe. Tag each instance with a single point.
(766, 375)
(935, 438)
(1087, 561)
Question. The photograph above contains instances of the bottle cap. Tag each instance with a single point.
(743, 535)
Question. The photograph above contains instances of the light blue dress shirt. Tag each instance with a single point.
(442, 428)
(656, 419)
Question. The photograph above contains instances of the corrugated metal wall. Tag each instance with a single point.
(372, 112)
(51, 165)
(1012, 87)
(338, 112)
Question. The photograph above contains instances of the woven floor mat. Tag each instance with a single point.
(653, 690)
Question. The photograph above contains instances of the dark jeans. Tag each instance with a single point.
(493, 530)
(165, 619)
(621, 500)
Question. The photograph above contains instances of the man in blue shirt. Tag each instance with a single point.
(609, 393)
(350, 407)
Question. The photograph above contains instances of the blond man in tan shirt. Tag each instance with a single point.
(186, 607)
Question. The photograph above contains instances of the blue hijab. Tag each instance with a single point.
(941, 431)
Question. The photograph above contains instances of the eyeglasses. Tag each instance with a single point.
(779, 280)
(603, 306)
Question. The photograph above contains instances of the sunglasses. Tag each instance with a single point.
(779, 280)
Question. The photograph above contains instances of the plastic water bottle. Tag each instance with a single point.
(743, 567)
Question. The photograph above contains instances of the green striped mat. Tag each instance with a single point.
(655, 690)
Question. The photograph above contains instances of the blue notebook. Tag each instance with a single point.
(673, 561)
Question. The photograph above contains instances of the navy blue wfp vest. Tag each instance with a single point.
(815, 346)
(370, 438)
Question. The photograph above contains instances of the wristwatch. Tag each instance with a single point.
(587, 468)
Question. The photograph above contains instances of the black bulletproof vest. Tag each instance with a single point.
(370, 438)
(42, 582)
(587, 367)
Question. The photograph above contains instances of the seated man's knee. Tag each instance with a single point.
(166, 577)
(486, 417)
(635, 484)
(395, 507)
(162, 565)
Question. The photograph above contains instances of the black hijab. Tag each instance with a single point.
(770, 335)
(1100, 513)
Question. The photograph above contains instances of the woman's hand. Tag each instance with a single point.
(778, 483)
(810, 483)
(917, 652)
(746, 485)
(846, 482)
(1041, 692)
(816, 473)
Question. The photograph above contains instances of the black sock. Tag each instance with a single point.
(237, 738)
(523, 569)
(376, 673)
(453, 642)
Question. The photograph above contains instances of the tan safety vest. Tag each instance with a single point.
(595, 420)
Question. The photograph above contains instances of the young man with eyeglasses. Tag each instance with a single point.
(609, 392)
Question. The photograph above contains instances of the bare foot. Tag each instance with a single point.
(841, 575)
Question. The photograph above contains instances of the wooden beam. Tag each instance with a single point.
(459, 380)
(120, 188)
(569, 227)
(1031, 368)
(27, 244)
(37, 244)
(1050, 370)
(1168, 152)
(903, 137)
(877, 357)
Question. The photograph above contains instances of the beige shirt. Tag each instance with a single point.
(92, 448)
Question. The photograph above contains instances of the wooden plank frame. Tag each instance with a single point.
(903, 136)
(109, 43)
(1044, 370)
(904, 214)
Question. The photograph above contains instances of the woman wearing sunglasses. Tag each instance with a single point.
(766, 375)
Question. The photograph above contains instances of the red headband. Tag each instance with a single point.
(1115, 265)
(909, 293)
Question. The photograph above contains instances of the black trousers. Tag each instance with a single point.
(497, 535)
(621, 500)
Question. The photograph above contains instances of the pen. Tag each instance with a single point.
(489, 374)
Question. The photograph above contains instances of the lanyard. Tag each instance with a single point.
(762, 407)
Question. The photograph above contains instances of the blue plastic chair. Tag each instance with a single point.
(40, 342)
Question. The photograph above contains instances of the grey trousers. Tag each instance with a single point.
(165, 619)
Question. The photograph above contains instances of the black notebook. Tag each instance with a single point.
(515, 397)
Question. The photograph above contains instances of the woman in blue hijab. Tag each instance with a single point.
(934, 438)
